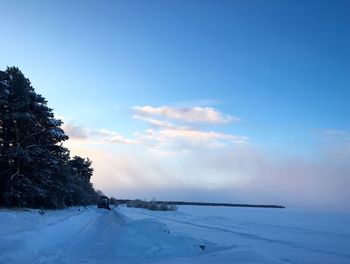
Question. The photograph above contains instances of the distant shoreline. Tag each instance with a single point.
(123, 201)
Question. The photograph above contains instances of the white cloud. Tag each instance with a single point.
(198, 114)
(75, 131)
(189, 137)
(114, 137)
(153, 121)
(165, 137)
(102, 136)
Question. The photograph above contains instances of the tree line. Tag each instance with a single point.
(36, 170)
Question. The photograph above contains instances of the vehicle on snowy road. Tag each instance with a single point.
(104, 202)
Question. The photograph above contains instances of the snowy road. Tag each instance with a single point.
(91, 242)
(70, 236)
(87, 236)
(128, 235)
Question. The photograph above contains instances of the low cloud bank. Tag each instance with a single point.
(241, 175)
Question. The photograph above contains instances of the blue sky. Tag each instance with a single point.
(281, 67)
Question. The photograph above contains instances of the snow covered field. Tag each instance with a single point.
(193, 234)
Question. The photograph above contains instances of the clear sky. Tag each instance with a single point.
(237, 101)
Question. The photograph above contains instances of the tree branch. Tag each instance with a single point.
(13, 175)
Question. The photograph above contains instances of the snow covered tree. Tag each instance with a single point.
(81, 172)
(35, 169)
(31, 134)
(4, 142)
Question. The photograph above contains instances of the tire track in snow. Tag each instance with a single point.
(92, 243)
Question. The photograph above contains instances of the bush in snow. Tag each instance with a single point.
(152, 205)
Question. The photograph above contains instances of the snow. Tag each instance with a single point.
(57, 133)
(55, 122)
(130, 235)
(283, 235)
(5, 84)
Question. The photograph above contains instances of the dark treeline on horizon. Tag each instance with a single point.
(35, 169)
(126, 201)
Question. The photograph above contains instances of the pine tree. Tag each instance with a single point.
(31, 135)
(81, 172)
(35, 169)
(16, 121)
(4, 141)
